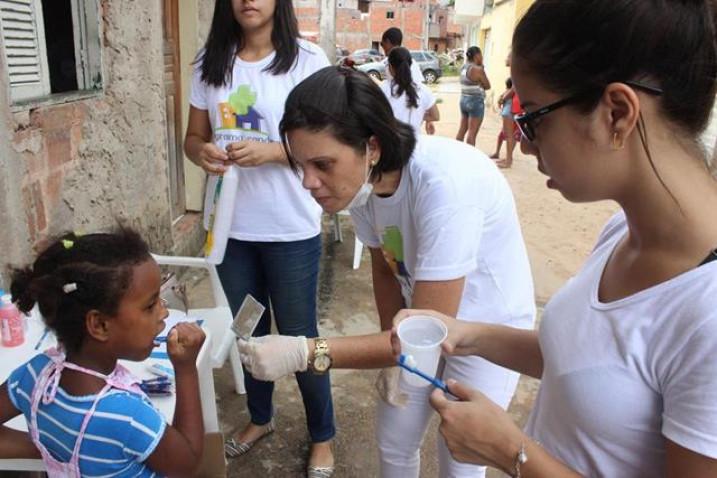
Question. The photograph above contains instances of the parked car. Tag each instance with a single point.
(427, 61)
(366, 55)
(341, 54)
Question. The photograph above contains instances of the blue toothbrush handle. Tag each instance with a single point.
(436, 382)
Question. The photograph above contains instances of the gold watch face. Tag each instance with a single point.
(322, 363)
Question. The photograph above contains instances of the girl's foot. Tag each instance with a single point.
(494, 156)
(321, 460)
(504, 163)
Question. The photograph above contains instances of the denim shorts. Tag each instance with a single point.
(507, 110)
(472, 106)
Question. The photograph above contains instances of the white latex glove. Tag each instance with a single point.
(271, 357)
(388, 387)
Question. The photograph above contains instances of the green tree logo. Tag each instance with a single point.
(242, 99)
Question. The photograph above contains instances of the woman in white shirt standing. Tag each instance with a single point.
(252, 59)
(411, 102)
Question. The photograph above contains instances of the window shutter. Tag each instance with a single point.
(23, 35)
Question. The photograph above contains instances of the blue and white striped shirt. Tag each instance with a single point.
(123, 431)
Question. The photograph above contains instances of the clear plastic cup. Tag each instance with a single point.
(421, 337)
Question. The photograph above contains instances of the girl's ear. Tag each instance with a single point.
(98, 325)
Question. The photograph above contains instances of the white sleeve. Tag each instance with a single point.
(689, 417)
(314, 58)
(427, 98)
(416, 73)
(198, 95)
(449, 233)
(363, 228)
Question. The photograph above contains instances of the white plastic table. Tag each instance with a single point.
(11, 358)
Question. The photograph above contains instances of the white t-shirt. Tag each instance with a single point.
(401, 110)
(619, 377)
(271, 204)
(416, 73)
(453, 216)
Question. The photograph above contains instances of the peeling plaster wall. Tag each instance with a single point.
(87, 163)
(206, 11)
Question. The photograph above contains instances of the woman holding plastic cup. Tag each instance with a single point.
(442, 228)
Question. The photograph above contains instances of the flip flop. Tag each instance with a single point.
(234, 448)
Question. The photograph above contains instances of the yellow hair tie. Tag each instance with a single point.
(68, 243)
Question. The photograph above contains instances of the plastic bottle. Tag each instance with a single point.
(11, 323)
(220, 221)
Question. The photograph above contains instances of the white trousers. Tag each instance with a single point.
(400, 431)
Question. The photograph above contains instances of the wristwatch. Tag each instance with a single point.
(322, 358)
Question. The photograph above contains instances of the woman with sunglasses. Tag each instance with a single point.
(627, 350)
(443, 232)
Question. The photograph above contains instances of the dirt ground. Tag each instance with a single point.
(559, 235)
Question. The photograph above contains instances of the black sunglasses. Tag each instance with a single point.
(525, 120)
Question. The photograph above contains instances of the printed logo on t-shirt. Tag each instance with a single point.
(392, 249)
(239, 119)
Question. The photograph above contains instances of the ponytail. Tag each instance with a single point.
(400, 59)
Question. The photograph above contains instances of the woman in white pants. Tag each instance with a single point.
(442, 228)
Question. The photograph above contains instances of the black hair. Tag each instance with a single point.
(400, 59)
(226, 39)
(668, 44)
(99, 264)
(472, 52)
(393, 35)
(349, 105)
(508, 84)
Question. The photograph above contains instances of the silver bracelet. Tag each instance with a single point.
(520, 459)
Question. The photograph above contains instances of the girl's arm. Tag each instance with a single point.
(180, 449)
(432, 114)
(13, 443)
(386, 289)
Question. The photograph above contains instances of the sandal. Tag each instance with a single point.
(234, 448)
(319, 471)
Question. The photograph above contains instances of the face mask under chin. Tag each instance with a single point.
(364, 192)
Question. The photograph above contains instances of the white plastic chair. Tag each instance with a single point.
(339, 237)
(218, 319)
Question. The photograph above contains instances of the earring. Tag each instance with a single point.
(616, 143)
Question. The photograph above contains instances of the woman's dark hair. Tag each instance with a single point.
(99, 264)
(349, 105)
(472, 52)
(400, 59)
(668, 44)
(226, 39)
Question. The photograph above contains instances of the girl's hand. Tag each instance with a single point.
(183, 344)
(462, 336)
(477, 430)
(212, 159)
(252, 153)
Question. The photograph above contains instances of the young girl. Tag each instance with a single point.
(99, 295)
(510, 132)
(252, 59)
(627, 349)
(411, 102)
(474, 83)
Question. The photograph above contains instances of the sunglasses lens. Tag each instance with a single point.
(526, 130)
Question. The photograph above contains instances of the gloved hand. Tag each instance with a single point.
(271, 357)
(388, 387)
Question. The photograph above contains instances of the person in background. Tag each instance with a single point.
(510, 134)
(86, 415)
(474, 83)
(252, 59)
(411, 102)
(390, 39)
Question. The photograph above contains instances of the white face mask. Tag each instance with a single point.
(364, 193)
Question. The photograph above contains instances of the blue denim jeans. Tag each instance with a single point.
(472, 106)
(285, 275)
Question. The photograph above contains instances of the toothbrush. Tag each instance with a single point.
(408, 363)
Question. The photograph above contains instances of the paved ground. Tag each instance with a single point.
(558, 235)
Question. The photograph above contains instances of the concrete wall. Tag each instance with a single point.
(87, 163)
